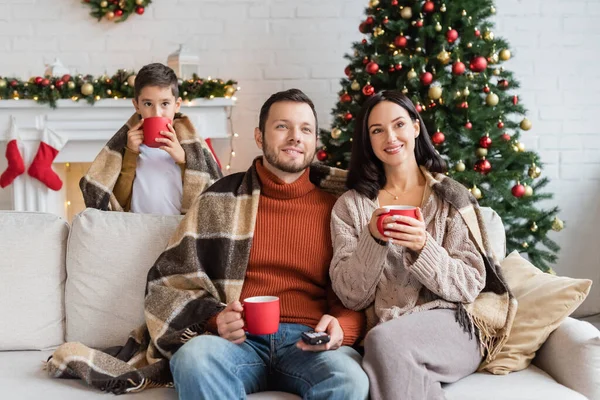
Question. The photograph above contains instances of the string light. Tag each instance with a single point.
(232, 136)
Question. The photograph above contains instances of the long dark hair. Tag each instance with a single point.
(366, 174)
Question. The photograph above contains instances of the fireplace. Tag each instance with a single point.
(87, 129)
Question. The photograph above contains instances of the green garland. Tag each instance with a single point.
(119, 86)
(116, 10)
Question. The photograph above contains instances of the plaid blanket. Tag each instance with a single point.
(202, 270)
(201, 167)
(492, 313)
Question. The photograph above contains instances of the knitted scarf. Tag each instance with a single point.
(200, 172)
(201, 270)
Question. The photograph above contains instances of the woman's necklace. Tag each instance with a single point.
(391, 194)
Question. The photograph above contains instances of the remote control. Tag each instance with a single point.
(314, 338)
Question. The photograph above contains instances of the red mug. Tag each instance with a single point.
(152, 127)
(408, 211)
(261, 315)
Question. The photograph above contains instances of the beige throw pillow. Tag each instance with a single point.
(544, 302)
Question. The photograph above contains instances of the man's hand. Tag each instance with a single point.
(171, 145)
(230, 323)
(330, 325)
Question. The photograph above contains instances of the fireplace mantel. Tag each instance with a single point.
(87, 128)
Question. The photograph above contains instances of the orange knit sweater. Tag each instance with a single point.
(291, 252)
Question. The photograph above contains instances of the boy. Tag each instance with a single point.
(130, 176)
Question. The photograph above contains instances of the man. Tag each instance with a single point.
(289, 257)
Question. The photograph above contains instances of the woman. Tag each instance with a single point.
(419, 279)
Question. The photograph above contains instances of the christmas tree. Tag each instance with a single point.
(445, 57)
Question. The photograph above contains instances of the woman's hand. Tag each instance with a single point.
(373, 223)
(405, 231)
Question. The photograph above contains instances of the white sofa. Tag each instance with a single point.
(86, 283)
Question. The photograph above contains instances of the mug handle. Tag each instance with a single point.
(380, 222)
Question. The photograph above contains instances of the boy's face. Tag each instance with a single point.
(156, 101)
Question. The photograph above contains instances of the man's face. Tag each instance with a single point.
(156, 101)
(289, 141)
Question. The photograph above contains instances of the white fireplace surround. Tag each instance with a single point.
(86, 128)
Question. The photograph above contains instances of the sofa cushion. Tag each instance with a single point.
(32, 271)
(545, 300)
(109, 256)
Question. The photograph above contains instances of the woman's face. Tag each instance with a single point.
(392, 133)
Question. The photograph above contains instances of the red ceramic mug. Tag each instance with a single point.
(261, 315)
(152, 127)
(408, 211)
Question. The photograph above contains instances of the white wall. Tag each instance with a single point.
(269, 45)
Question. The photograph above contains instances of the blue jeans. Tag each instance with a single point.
(212, 368)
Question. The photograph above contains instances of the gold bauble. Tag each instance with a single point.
(443, 8)
(3, 83)
(373, 3)
(406, 13)
(460, 166)
(411, 74)
(108, 92)
(104, 4)
(109, 15)
(534, 227)
(443, 57)
(418, 49)
(525, 245)
(521, 147)
(355, 85)
(481, 152)
(457, 94)
(71, 85)
(139, 2)
(229, 90)
(435, 92)
(87, 89)
(378, 31)
(470, 76)
(515, 148)
(469, 45)
(131, 80)
(336, 133)
(505, 54)
(466, 92)
(464, 13)
(438, 27)
(534, 171)
(404, 90)
(476, 192)
(496, 72)
(488, 35)
(525, 124)
(493, 10)
(528, 191)
(557, 224)
(492, 99)
(493, 59)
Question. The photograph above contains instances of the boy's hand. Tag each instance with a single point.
(172, 145)
(135, 137)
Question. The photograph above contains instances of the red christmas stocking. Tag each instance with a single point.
(41, 167)
(16, 166)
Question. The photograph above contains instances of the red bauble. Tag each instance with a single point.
(505, 136)
(368, 90)
(118, 13)
(458, 68)
(348, 116)
(400, 41)
(391, 68)
(364, 41)
(515, 99)
(419, 107)
(321, 155)
(398, 67)
(464, 105)
(386, 20)
(503, 84)
(38, 80)
(452, 35)
(14, 83)
(394, 3)
(365, 60)
(348, 71)
(346, 98)
(363, 27)
(500, 124)
(483, 166)
(485, 142)
(438, 138)
(59, 83)
(428, 7)
(66, 78)
(419, 23)
(477, 33)
(426, 78)
(139, 10)
(518, 190)
(369, 21)
(469, 125)
(45, 82)
(486, 89)
(372, 68)
(478, 64)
